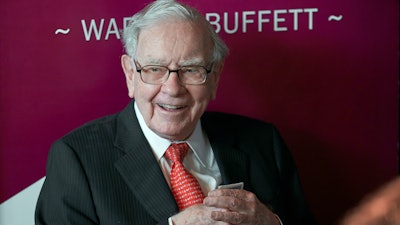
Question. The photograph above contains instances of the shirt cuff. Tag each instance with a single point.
(170, 221)
(276, 216)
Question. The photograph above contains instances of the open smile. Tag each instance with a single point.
(171, 107)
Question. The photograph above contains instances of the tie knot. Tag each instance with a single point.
(177, 151)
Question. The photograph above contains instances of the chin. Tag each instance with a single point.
(173, 134)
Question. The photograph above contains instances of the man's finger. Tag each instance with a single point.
(240, 194)
(228, 217)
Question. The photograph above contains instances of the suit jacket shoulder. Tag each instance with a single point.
(104, 173)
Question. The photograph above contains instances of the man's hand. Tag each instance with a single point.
(196, 215)
(242, 207)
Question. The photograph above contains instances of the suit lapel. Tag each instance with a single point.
(140, 169)
(232, 161)
(234, 151)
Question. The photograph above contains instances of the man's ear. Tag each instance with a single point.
(129, 68)
(217, 70)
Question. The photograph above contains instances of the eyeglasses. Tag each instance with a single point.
(156, 75)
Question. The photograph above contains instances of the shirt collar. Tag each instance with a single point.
(197, 141)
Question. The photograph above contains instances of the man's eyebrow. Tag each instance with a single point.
(153, 61)
(189, 62)
(194, 61)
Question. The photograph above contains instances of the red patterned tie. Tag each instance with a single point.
(185, 187)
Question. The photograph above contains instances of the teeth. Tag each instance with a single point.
(170, 106)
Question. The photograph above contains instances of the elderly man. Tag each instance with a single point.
(163, 160)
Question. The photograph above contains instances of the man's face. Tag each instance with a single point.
(172, 109)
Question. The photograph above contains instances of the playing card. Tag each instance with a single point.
(232, 186)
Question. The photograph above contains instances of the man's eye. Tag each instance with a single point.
(154, 69)
(190, 70)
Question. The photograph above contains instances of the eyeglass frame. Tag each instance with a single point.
(139, 70)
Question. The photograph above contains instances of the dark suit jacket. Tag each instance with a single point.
(105, 172)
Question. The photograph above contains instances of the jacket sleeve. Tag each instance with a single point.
(65, 197)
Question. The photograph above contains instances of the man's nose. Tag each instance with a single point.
(173, 85)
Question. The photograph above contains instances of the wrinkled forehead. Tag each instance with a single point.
(177, 41)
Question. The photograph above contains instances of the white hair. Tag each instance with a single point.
(163, 10)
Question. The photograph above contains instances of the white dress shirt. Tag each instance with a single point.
(199, 161)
